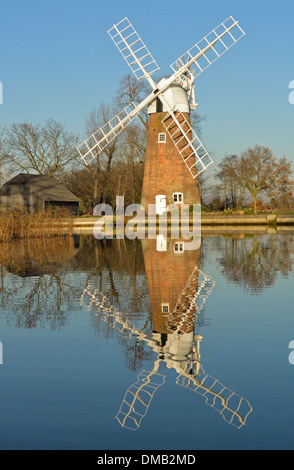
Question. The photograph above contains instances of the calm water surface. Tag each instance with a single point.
(115, 345)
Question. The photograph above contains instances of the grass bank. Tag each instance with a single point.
(18, 224)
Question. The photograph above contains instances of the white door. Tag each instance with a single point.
(160, 201)
(161, 244)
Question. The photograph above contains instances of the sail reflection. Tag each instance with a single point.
(178, 291)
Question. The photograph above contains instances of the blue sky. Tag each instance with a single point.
(58, 61)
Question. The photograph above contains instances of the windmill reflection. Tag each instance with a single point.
(178, 290)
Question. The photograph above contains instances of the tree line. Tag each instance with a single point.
(256, 175)
(50, 149)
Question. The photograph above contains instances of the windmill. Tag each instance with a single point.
(233, 408)
(175, 156)
(173, 338)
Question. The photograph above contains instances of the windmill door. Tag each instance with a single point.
(160, 201)
(161, 244)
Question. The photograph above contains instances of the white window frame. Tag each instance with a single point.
(176, 197)
(165, 308)
(161, 138)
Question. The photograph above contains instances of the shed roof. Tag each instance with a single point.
(46, 187)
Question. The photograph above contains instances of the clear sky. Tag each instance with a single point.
(58, 61)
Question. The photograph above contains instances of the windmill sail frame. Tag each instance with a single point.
(133, 49)
(211, 47)
(143, 65)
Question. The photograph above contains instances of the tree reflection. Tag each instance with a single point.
(42, 283)
(255, 261)
(34, 287)
(116, 274)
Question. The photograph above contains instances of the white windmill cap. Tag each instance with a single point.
(176, 97)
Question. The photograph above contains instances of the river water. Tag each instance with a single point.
(125, 344)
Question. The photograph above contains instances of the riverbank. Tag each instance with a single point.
(259, 219)
(18, 224)
(270, 220)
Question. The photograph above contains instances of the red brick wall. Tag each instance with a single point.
(167, 274)
(165, 172)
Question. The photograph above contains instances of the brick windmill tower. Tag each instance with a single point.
(166, 180)
(174, 156)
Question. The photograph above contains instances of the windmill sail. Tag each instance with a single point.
(232, 407)
(133, 49)
(188, 144)
(95, 144)
(210, 48)
(138, 397)
(143, 65)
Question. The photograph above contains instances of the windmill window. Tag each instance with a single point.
(161, 138)
(164, 308)
(179, 247)
(178, 198)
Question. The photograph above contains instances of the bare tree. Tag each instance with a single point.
(81, 182)
(257, 171)
(232, 182)
(282, 186)
(116, 167)
(47, 149)
(101, 165)
(4, 172)
(262, 172)
(132, 90)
